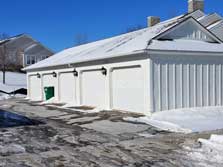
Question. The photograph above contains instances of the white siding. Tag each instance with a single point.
(186, 81)
(188, 30)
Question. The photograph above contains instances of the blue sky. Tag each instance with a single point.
(56, 22)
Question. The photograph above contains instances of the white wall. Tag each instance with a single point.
(168, 81)
(108, 98)
(186, 81)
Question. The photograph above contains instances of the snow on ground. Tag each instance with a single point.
(185, 120)
(210, 150)
(14, 81)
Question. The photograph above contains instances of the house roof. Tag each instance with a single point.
(34, 42)
(130, 43)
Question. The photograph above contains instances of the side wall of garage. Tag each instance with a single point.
(185, 81)
(121, 84)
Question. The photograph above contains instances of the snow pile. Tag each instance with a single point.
(209, 153)
(14, 81)
(185, 120)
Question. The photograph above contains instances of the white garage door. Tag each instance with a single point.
(67, 87)
(49, 80)
(93, 88)
(35, 88)
(128, 89)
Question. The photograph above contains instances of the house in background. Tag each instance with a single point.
(172, 64)
(22, 50)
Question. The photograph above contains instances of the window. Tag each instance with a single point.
(28, 62)
(31, 60)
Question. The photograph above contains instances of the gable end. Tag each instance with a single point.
(189, 29)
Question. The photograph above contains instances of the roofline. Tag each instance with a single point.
(90, 60)
(27, 35)
(182, 21)
(146, 51)
(185, 52)
(207, 30)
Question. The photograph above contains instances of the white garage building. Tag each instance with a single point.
(177, 63)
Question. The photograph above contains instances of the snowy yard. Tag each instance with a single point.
(185, 120)
(14, 81)
(209, 152)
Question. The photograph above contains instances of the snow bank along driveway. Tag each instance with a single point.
(185, 120)
(210, 150)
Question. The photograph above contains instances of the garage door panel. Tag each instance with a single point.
(93, 88)
(35, 88)
(67, 88)
(128, 89)
(49, 81)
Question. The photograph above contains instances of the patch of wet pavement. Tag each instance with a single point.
(97, 139)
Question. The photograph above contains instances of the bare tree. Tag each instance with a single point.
(3, 53)
(80, 39)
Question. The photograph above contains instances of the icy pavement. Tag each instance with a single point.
(93, 140)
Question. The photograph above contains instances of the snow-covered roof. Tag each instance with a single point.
(121, 45)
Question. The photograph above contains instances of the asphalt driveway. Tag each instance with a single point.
(72, 138)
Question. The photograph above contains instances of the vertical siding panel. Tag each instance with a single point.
(192, 85)
(198, 85)
(163, 86)
(205, 85)
(208, 93)
(201, 85)
(195, 83)
(212, 85)
(155, 87)
(159, 85)
(167, 86)
(182, 85)
(171, 86)
(174, 86)
(184, 82)
(220, 84)
(188, 86)
(217, 85)
(178, 85)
